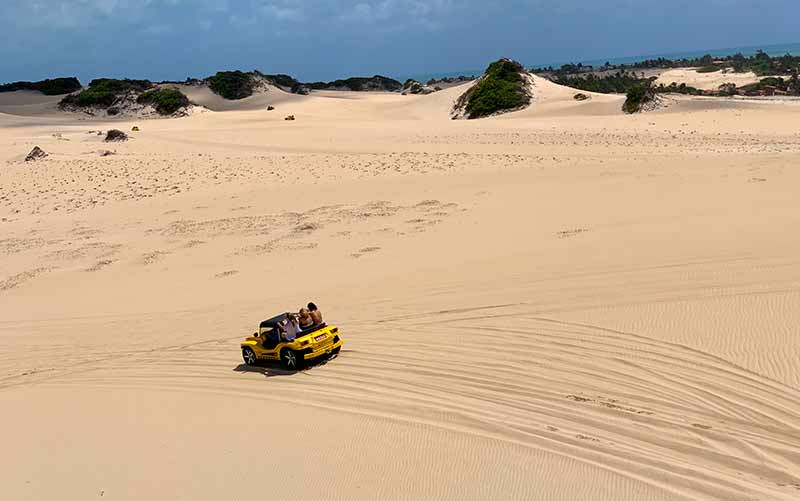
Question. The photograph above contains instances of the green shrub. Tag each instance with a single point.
(772, 81)
(501, 88)
(49, 87)
(637, 97)
(232, 84)
(376, 82)
(711, 68)
(614, 83)
(790, 86)
(166, 100)
(104, 92)
(675, 88)
(283, 80)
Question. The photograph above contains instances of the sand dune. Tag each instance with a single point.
(564, 302)
(706, 81)
(201, 95)
(28, 103)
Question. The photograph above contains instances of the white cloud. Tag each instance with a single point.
(59, 14)
(283, 12)
(404, 12)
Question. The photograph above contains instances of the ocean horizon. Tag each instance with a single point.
(772, 50)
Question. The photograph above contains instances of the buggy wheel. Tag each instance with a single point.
(335, 351)
(291, 360)
(249, 356)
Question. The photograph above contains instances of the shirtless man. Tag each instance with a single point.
(304, 317)
(316, 315)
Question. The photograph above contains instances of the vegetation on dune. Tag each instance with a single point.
(622, 82)
(283, 80)
(450, 80)
(232, 84)
(412, 86)
(113, 95)
(288, 82)
(638, 97)
(238, 84)
(104, 92)
(376, 82)
(501, 88)
(166, 100)
(49, 87)
(614, 83)
(675, 88)
(760, 63)
(773, 85)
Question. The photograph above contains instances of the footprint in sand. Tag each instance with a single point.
(571, 233)
(20, 278)
(152, 257)
(100, 265)
(193, 243)
(307, 227)
(365, 250)
(579, 399)
(300, 246)
(227, 273)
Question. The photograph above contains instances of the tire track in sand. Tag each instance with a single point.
(672, 417)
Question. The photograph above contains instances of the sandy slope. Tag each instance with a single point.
(269, 95)
(29, 103)
(561, 303)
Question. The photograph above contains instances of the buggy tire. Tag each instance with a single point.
(335, 351)
(291, 360)
(249, 356)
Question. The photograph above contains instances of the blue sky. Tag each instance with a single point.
(327, 39)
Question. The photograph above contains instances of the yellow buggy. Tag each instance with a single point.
(270, 343)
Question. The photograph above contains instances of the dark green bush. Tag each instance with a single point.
(283, 80)
(789, 86)
(376, 82)
(104, 92)
(614, 83)
(121, 85)
(501, 88)
(166, 100)
(232, 84)
(49, 87)
(636, 97)
(675, 88)
(772, 81)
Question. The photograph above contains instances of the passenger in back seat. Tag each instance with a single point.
(316, 315)
(304, 317)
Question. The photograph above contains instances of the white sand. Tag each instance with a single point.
(560, 303)
(706, 81)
